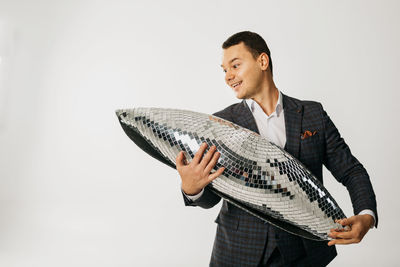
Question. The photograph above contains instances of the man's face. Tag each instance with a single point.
(243, 73)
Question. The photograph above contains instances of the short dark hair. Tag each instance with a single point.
(254, 43)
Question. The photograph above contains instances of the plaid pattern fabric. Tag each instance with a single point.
(244, 240)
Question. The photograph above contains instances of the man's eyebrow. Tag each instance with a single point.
(236, 58)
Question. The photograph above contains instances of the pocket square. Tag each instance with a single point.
(307, 134)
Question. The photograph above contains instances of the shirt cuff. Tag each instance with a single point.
(196, 197)
(370, 212)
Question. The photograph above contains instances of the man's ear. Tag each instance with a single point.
(264, 61)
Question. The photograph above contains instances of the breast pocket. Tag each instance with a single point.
(310, 141)
(311, 150)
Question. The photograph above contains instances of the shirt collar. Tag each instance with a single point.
(278, 108)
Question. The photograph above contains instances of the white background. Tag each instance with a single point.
(75, 191)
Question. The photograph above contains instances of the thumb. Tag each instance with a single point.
(348, 221)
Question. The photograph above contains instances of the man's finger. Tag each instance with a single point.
(212, 162)
(337, 230)
(214, 175)
(180, 160)
(342, 242)
(199, 154)
(348, 221)
(344, 235)
(207, 157)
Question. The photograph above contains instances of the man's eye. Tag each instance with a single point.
(235, 66)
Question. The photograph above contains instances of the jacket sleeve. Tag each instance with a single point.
(207, 200)
(347, 169)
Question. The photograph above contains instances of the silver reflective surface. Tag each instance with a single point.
(259, 177)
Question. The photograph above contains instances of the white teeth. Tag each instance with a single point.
(236, 84)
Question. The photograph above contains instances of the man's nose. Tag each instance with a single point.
(229, 76)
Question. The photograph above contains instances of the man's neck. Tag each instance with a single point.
(268, 97)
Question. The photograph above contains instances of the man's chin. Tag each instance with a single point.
(240, 96)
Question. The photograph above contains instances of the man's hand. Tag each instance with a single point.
(196, 175)
(359, 224)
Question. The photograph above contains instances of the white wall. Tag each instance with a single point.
(75, 191)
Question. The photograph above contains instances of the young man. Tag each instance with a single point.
(242, 239)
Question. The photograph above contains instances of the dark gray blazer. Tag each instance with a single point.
(241, 237)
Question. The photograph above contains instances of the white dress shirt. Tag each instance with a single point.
(272, 127)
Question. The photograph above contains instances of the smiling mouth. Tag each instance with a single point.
(235, 85)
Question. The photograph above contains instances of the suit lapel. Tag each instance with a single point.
(245, 118)
(293, 118)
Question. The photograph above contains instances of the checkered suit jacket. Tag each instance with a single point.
(241, 237)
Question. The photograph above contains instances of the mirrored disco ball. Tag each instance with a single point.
(259, 177)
